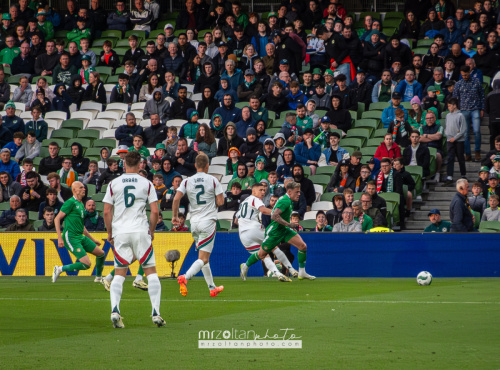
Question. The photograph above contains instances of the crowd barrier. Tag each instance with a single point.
(335, 255)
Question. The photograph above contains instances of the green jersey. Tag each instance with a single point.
(305, 122)
(285, 204)
(442, 227)
(367, 222)
(75, 214)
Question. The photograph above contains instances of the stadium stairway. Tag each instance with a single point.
(439, 196)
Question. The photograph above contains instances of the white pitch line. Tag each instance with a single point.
(247, 301)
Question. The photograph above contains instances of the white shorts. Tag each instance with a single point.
(204, 234)
(134, 246)
(252, 239)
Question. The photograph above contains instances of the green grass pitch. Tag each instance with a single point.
(343, 323)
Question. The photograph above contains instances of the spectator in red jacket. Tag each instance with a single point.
(388, 148)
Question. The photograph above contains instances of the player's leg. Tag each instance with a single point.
(82, 260)
(90, 247)
(154, 294)
(115, 294)
(301, 256)
(139, 282)
(268, 244)
(271, 266)
(281, 256)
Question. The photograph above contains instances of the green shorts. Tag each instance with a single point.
(79, 246)
(275, 237)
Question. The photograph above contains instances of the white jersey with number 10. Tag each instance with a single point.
(201, 190)
(129, 194)
(249, 214)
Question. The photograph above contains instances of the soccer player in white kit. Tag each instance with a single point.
(251, 230)
(205, 195)
(128, 231)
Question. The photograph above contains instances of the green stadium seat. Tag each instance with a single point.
(73, 124)
(91, 189)
(48, 78)
(104, 70)
(66, 152)
(390, 23)
(93, 153)
(120, 50)
(141, 34)
(97, 51)
(353, 142)
(307, 171)
(167, 215)
(103, 188)
(85, 143)
(308, 224)
(100, 42)
(89, 134)
(321, 112)
(375, 142)
(223, 225)
(417, 173)
(4, 206)
(123, 43)
(395, 199)
(44, 151)
(366, 123)
(394, 15)
(33, 215)
(375, 114)
(425, 43)
(362, 133)
(433, 163)
(99, 207)
(406, 105)
(368, 151)
(111, 33)
(320, 179)
(98, 197)
(273, 131)
(108, 143)
(37, 224)
(241, 104)
(65, 134)
(178, 32)
(325, 170)
(489, 227)
(46, 142)
(201, 34)
(61, 34)
(380, 133)
(36, 161)
(381, 105)
(420, 51)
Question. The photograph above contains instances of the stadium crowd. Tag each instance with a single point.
(374, 105)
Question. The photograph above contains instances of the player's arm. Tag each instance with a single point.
(219, 200)
(265, 211)
(175, 207)
(108, 218)
(57, 222)
(87, 234)
(153, 218)
(276, 217)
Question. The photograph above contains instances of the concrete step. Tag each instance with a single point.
(422, 216)
(438, 196)
(417, 225)
(441, 205)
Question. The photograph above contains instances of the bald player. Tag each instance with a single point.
(75, 236)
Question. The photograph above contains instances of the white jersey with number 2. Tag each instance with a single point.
(129, 194)
(249, 214)
(201, 190)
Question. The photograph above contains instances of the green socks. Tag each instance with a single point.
(99, 264)
(254, 258)
(76, 266)
(140, 271)
(302, 256)
(112, 273)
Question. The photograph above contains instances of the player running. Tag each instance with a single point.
(280, 230)
(76, 237)
(128, 231)
(251, 231)
(205, 195)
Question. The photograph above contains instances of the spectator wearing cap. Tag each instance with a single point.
(306, 185)
(361, 89)
(496, 166)
(260, 172)
(307, 152)
(431, 100)
(80, 31)
(470, 94)
(85, 70)
(221, 57)
(417, 154)
(493, 186)
(484, 174)
(329, 81)
(334, 154)
(389, 113)
(384, 88)
(400, 129)
(341, 179)
(286, 48)
(8, 165)
(237, 44)
(250, 87)
(461, 217)
(437, 225)
(284, 66)
(340, 119)
(251, 148)
(123, 92)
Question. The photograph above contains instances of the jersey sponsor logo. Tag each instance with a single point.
(129, 179)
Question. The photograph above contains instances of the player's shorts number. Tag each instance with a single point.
(200, 193)
(129, 197)
(244, 210)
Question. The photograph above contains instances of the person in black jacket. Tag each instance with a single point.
(409, 28)
(45, 63)
(286, 48)
(391, 181)
(377, 201)
(230, 140)
(312, 16)
(156, 133)
(492, 107)
(271, 155)
(238, 42)
(76, 91)
(353, 44)
(336, 51)
(339, 118)
(208, 104)
(95, 90)
(275, 101)
(79, 163)
(108, 56)
(8, 216)
(362, 89)
(341, 179)
(417, 154)
(407, 180)
(306, 185)
(24, 62)
(461, 217)
(52, 163)
(374, 55)
(251, 148)
(125, 133)
(397, 50)
(112, 172)
(209, 78)
(93, 221)
(184, 158)
(123, 92)
(191, 17)
(34, 192)
(180, 106)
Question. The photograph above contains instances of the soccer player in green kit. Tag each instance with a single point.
(75, 236)
(281, 230)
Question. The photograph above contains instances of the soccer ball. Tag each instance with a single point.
(424, 278)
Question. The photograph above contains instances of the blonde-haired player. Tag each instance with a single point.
(205, 195)
(250, 228)
(128, 231)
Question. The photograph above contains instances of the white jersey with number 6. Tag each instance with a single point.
(129, 194)
(201, 190)
(249, 214)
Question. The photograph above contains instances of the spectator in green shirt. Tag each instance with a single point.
(365, 220)
(11, 51)
(437, 226)
(139, 147)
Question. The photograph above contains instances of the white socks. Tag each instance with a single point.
(282, 258)
(271, 266)
(194, 269)
(116, 292)
(138, 278)
(154, 291)
(109, 277)
(207, 273)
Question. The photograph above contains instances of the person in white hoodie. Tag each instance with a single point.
(456, 127)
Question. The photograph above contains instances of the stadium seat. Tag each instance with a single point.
(375, 114)
(111, 33)
(85, 143)
(37, 224)
(85, 116)
(118, 107)
(380, 133)
(100, 42)
(61, 34)
(33, 215)
(322, 206)
(93, 153)
(56, 116)
(141, 34)
(425, 43)
(417, 173)
(108, 134)
(73, 124)
(421, 50)
(109, 115)
(326, 170)
(46, 142)
(225, 215)
(89, 134)
(223, 225)
(221, 160)
(353, 142)
(308, 224)
(91, 107)
(4, 206)
(361, 133)
(225, 179)
(394, 15)
(320, 179)
(138, 106)
(381, 105)
(66, 152)
(366, 123)
(368, 151)
(64, 134)
(99, 207)
(99, 124)
(310, 215)
(489, 226)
